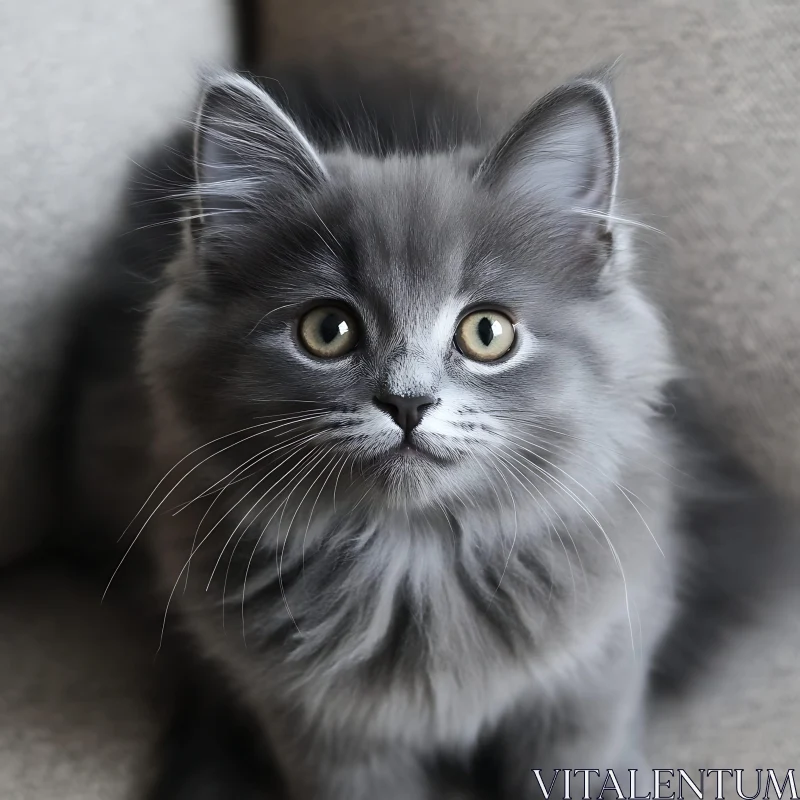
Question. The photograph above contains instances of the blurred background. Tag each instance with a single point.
(708, 94)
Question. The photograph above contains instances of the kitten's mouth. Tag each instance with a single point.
(408, 449)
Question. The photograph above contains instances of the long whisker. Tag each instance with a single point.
(272, 311)
(279, 560)
(613, 550)
(252, 461)
(274, 486)
(515, 473)
(282, 508)
(574, 480)
(510, 437)
(446, 515)
(308, 438)
(590, 212)
(336, 483)
(188, 455)
(259, 457)
(520, 419)
(316, 500)
(240, 472)
(261, 432)
(583, 459)
(534, 471)
(514, 539)
(284, 400)
(177, 581)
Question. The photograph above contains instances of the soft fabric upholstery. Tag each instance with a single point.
(86, 85)
(77, 720)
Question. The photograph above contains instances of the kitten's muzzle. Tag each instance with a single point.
(407, 412)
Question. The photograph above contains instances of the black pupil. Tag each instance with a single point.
(329, 327)
(485, 331)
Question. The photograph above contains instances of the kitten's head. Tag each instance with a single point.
(428, 326)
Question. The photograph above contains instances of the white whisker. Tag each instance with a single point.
(261, 432)
(279, 560)
(177, 581)
(295, 447)
(316, 500)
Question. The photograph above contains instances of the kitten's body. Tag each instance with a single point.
(505, 590)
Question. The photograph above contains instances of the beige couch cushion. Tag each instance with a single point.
(710, 108)
(76, 720)
(85, 86)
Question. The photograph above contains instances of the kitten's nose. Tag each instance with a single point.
(405, 411)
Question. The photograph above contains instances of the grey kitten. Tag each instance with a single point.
(433, 510)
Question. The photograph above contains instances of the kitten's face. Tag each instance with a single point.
(433, 328)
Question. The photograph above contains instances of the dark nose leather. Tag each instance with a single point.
(405, 411)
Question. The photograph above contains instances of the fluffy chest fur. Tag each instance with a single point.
(429, 627)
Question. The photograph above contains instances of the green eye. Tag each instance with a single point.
(328, 332)
(485, 335)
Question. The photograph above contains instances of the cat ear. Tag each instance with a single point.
(563, 150)
(247, 147)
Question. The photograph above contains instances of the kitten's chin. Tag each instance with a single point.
(411, 475)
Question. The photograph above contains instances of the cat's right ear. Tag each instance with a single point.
(247, 148)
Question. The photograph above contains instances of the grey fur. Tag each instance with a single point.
(506, 585)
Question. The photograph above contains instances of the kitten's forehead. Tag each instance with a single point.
(408, 222)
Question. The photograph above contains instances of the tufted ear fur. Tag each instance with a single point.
(247, 148)
(564, 149)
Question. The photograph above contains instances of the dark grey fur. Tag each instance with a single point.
(496, 597)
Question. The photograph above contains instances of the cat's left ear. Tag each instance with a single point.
(248, 148)
(564, 150)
